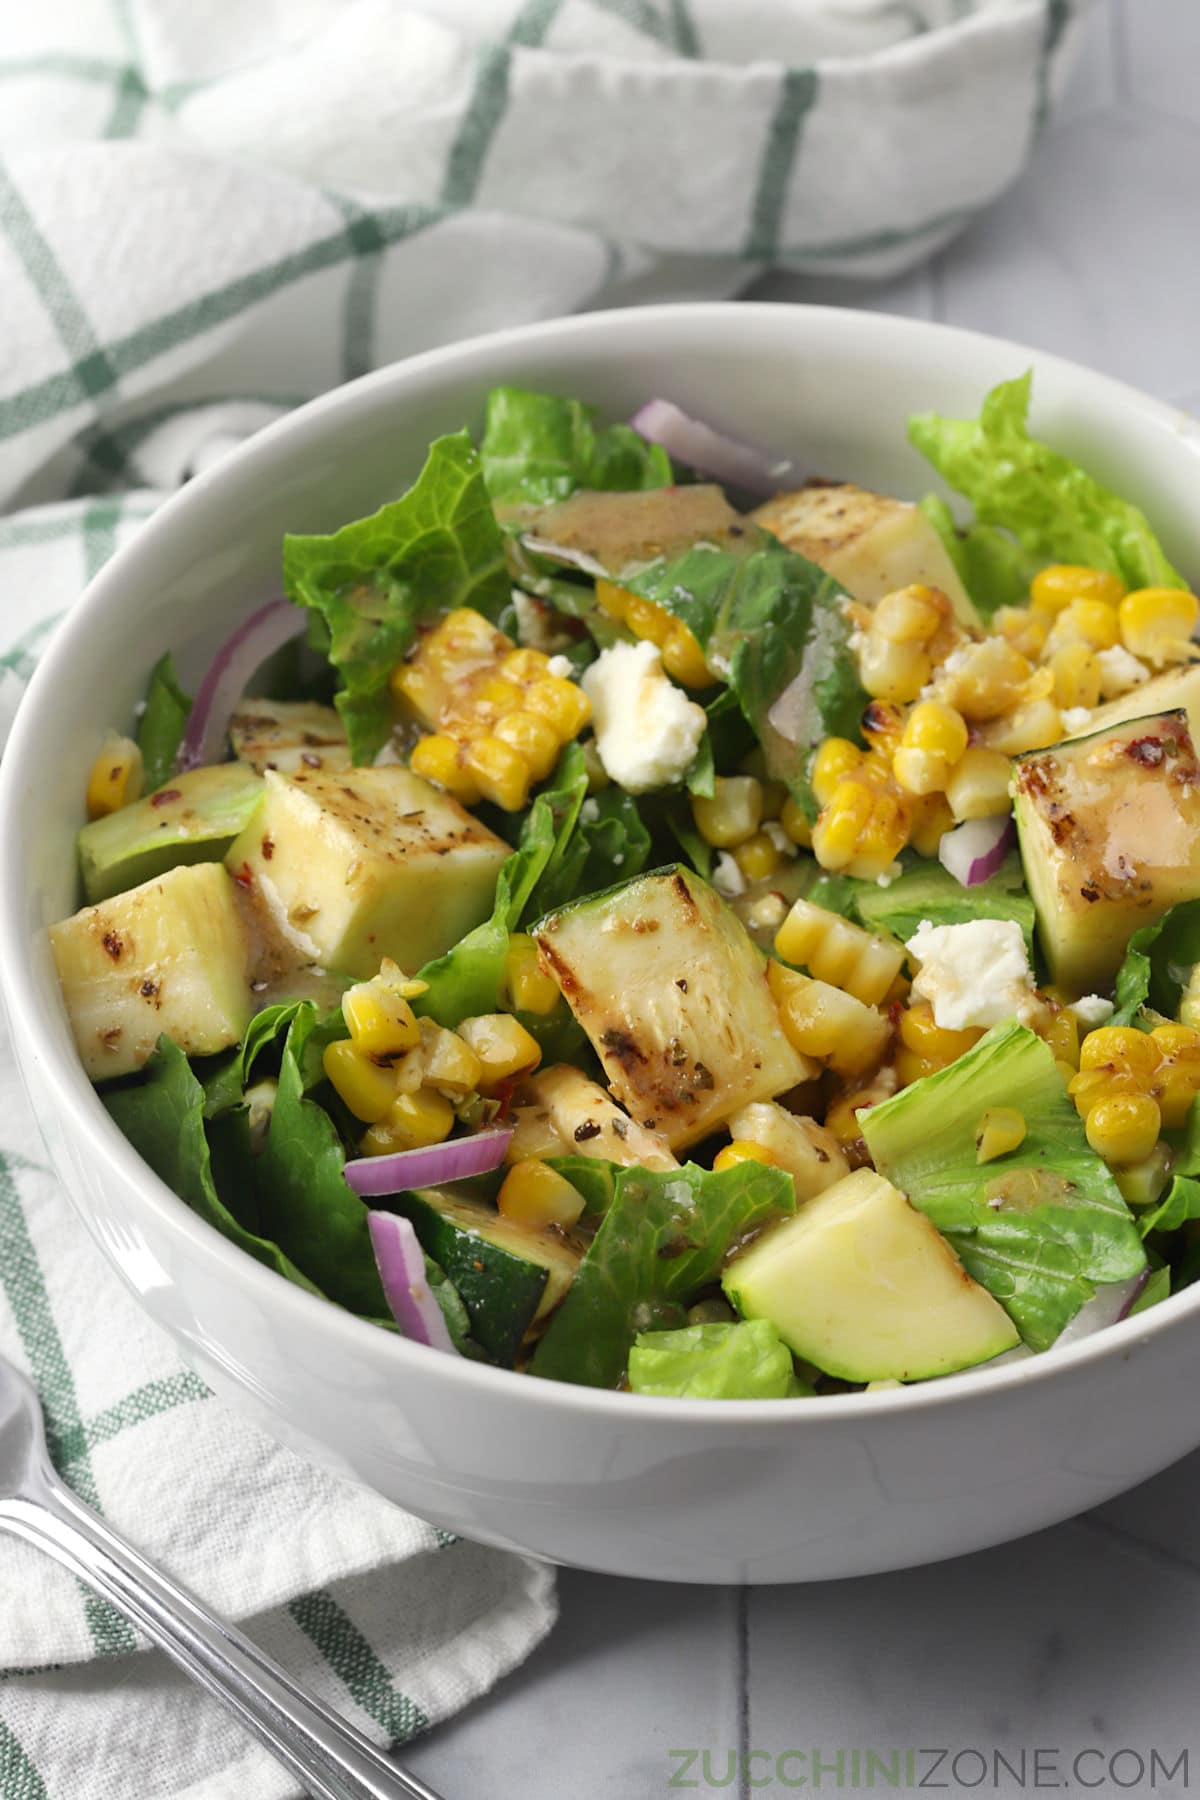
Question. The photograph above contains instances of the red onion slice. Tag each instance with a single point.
(401, 1263)
(974, 851)
(431, 1167)
(710, 452)
(264, 632)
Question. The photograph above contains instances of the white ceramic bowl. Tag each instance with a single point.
(683, 1490)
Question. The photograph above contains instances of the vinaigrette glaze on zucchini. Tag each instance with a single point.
(636, 917)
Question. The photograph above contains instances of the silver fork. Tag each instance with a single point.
(327, 1756)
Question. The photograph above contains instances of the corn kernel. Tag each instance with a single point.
(523, 666)
(863, 828)
(1090, 1086)
(1175, 1091)
(842, 1116)
(977, 787)
(683, 659)
(985, 680)
(492, 697)
(882, 725)
(932, 819)
(823, 1022)
(537, 1195)
(1176, 1040)
(795, 822)
(1023, 629)
(647, 620)
(935, 737)
(741, 1150)
(612, 598)
(910, 1066)
(732, 814)
(1121, 1047)
(367, 1088)
(911, 615)
(1061, 583)
(999, 1132)
(1124, 1129)
(412, 1122)
(442, 760)
(834, 950)
(1077, 676)
(1157, 624)
(561, 702)
(1033, 726)
(528, 986)
(380, 1020)
(835, 758)
(892, 671)
(500, 772)
(920, 1034)
(116, 777)
(503, 1046)
(1091, 622)
(1062, 1035)
(446, 1062)
(534, 740)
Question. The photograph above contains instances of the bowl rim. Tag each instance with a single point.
(78, 1100)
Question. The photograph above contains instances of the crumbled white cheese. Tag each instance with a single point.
(560, 666)
(589, 812)
(779, 837)
(387, 755)
(974, 974)
(647, 730)
(1120, 672)
(767, 913)
(889, 875)
(536, 625)
(1076, 719)
(1092, 1010)
(727, 877)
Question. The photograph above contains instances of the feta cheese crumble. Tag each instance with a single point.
(560, 666)
(1120, 672)
(1075, 719)
(727, 877)
(1092, 1010)
(537, 627)
(974, 974)
(647, 730)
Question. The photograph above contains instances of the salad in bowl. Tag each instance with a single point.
(647, 917)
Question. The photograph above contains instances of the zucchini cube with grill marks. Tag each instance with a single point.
(1109, 826)
(360, 864)
(673, 995)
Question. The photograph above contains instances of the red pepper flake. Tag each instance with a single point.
(268, 848)
(165, 796)
(245, 876)
(1148, 751)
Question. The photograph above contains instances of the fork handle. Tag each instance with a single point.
(325, 1754)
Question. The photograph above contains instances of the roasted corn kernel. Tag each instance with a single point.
(1124, 1129)
(863, 828)
(823, 1022)
(758, 857)
(834, 950)
(411, 1123)
(535, 1194)
(935, 737)
(116, 777)
(796, 823)
(1157, 624)
(1057, 586)
(741, 1150)
(999, 1132)
(890, 670)
(835, 758)
(368, 1088)
(503, 1046)
(978, 785)
(932, 1042)
(380, 1020)
(911, 615)
(443, 760)
(732, 814)
(528, 986)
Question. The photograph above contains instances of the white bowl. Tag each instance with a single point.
(711, 1491)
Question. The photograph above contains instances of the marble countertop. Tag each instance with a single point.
(1072, 1649)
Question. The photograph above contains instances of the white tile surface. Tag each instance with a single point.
(1081, 1639)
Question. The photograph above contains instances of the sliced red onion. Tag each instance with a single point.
(264, 632)
(974, 851)
(429, 1167)
(401, 1263)
(709, 452)
(1107, 1306)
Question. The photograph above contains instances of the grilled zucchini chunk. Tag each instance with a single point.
(288, 735)
(673, 995)
(193, 818)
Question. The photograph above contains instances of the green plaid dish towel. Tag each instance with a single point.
(208, 213)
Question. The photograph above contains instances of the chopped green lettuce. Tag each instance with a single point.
(925, 890)
(661, 1241)
(992, 566)
(374, 581)
(1157, 964)
(1038, 1228)
(746, 1361)
(162, 724)
(772, 624)
(541, 448)
(1054, 509)
(1158, 1287)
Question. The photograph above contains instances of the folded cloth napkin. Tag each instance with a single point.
(208, 213)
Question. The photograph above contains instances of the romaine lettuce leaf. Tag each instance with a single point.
(1056, 511)
(540, 448)
(162, 1115)
(373, 582)
(1038, 1228)
(746, 1361)
(162, 724)
(773, 625)
(1157, 964)
(925, 890)
(661, 1240)
(992, 566)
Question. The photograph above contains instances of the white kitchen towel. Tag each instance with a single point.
(209, 211)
